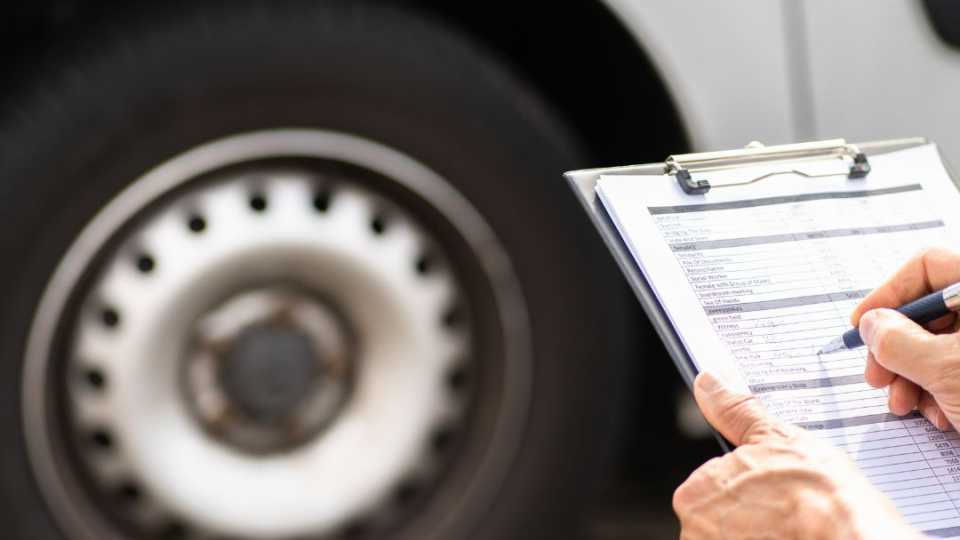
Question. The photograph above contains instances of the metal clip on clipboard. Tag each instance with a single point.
(682, 165)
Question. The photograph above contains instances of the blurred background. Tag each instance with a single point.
(309, 270)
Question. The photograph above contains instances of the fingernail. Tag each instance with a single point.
(932, 414)
(707, 382)
(868, 326)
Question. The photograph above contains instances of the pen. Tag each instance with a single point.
(921, 311)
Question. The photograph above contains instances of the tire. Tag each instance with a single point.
(153, 89)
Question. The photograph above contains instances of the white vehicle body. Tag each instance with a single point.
(779, 72)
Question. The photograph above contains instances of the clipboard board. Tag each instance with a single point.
(701, 173)
(583, 182)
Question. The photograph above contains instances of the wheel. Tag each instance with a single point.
(297, 271)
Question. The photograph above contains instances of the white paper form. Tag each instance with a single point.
(757, 278)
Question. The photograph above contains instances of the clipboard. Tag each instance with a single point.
(583, 183)
(697, 174)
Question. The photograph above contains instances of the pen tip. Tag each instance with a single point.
(833, 346)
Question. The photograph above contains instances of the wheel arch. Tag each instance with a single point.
(584, 60)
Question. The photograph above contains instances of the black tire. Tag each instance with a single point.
(155, 87)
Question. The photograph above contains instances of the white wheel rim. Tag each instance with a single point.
(398, 401)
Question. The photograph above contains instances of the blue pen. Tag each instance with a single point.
(921, 311)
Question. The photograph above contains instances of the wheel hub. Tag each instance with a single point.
(269, 369)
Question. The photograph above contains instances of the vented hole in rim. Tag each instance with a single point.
(457, 378)
(440, 439)
(110, 317)
(145, 263)
(406, 492)
(378, 224)
(197, 223)
(258, 202)
(101, 438)
(424, 265)
(95, 378)
(129, 492)
(452, 317)
(321, 200)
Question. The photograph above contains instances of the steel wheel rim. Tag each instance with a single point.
(61, 490)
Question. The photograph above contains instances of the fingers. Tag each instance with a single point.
(904, 396)
(930, 270)
(876, 375)
(932, 412)
(741, 419)
(903, 347)
(928, 408)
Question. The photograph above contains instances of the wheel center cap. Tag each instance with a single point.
(269, 371)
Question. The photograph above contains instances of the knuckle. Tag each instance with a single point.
(694, 487)
(739, 408)
(712, 464)
(746, 418)
(743, 454)
(778, 451)
(933, 256)
(681, 498)
(929, 254)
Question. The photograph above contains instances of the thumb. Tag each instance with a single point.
(740, 418)
(906, 348)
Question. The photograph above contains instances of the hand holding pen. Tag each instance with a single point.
(921, 311)
(918, 361)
